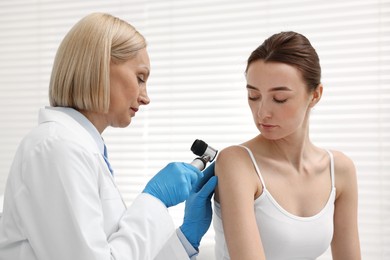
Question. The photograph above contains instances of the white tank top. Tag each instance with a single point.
(284, 235)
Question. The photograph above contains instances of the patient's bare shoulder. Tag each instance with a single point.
(235, 172)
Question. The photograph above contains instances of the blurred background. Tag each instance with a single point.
(198, 52)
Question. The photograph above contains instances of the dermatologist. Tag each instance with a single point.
(61, 201)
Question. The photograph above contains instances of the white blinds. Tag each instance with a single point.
(198, 51)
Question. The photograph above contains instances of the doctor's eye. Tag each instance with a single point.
(141, 80)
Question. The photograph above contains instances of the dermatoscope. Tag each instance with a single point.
(205, 152)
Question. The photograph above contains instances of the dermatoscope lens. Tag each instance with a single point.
(199, 147)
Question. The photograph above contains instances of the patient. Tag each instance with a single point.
(280, 196)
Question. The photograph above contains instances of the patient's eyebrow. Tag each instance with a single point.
(279, 88)
(251, 87)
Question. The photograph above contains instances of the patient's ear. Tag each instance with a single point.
(316, 95)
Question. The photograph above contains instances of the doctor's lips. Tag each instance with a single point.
(133, 111)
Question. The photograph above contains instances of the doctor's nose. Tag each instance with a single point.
(143, 97)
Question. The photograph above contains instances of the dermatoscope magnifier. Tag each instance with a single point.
(205, 152)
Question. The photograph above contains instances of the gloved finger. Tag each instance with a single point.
(207, 190)
(208, 173)
(193, 173)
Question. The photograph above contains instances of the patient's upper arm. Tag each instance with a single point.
(237, 186)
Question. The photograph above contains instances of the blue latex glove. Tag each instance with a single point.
(198, 212)
(173, 184)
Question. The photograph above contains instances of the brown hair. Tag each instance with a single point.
(293, 49)
(81, 72)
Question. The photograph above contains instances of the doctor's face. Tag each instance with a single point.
(128, 89)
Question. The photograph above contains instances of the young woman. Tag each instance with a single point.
(61, 201)
(279, 196)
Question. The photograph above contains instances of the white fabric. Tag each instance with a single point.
(61, 203)
(284, 235)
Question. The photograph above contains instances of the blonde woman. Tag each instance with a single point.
(61, 201)
(280, 196)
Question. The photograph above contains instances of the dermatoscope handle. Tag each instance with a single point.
(199, 163)
(205, 152)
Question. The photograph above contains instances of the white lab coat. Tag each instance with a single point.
(61, 203)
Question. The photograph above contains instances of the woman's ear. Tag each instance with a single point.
(316, 95)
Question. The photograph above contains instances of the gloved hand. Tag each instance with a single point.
(173, 183)
(198, 212)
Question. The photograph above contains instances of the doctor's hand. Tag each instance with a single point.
(173, 184)
(198, 211)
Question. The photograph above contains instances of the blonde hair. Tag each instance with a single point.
(81, 72)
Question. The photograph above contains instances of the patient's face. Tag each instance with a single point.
(278, 99)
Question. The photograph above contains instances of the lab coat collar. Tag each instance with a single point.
(73, 121)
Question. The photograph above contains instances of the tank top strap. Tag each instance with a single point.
(331, 167)
(255, 164)
(331, 158)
